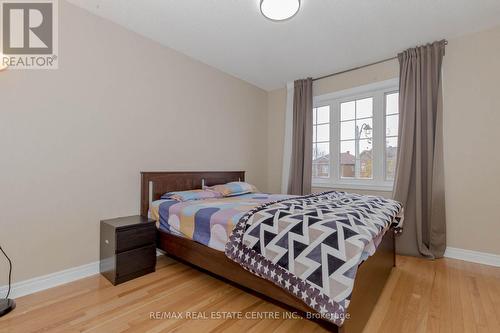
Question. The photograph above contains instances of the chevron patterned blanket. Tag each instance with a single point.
(312, 246)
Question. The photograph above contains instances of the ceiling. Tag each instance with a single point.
(324, 37)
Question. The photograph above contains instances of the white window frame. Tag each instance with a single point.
(378, 91)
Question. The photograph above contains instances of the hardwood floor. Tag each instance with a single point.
(421, 296)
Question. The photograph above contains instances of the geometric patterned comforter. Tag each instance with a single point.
(208, 221)
(312, 246)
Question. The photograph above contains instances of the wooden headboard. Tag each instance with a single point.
(167, 181)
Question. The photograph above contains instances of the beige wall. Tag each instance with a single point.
(471, 135)
(74, 140)
(471, 141)
(380, 72)
(276, 104)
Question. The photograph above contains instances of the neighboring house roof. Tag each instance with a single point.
(348, 158)
(365, 155)
(325, 158)
(345, 158)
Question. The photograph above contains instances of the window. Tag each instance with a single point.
(355, 137)
(391, 133)
(356, 143)
(321, 142)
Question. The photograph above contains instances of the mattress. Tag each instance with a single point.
(208, 221)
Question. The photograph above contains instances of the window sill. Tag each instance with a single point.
(353, 186)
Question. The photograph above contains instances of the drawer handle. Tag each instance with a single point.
(106, 241)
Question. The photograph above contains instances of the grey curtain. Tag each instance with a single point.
(419, 183)
(301, 163)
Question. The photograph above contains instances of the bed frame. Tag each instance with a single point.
(370, 280)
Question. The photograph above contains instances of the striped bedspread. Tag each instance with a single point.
(209, 221)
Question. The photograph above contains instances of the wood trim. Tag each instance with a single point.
(168, 181)
(369, 284)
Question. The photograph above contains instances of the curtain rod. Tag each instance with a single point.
(360, 67)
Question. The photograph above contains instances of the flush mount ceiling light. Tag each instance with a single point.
(279, 10)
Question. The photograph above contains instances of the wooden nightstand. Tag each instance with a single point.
(128, 248)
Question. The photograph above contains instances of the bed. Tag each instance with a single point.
(204, 249)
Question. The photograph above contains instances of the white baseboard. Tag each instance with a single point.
(473, 256)
(40, 283)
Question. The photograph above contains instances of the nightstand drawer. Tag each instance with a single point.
(128, 248)
(132, 238)
(135, 260)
